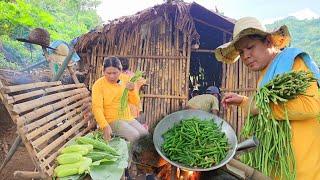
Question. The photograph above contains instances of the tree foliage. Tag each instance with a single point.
(305, 34)
(64, 20)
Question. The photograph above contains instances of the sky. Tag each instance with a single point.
(266, 11)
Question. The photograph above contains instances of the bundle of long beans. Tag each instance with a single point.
(196, 143)
(274, 156)
(125, 95)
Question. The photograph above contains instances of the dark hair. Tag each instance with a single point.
(259, 37)
(262, 38)
(112, 61)
(124, 63)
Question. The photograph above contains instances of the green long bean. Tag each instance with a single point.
(196, 143)
(274, 156)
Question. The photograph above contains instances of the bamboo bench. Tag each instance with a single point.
(47, 115)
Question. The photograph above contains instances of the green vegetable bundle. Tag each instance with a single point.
(274, 156)
(196, 143)
(125, 96)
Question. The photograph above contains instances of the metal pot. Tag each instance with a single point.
(168, 122)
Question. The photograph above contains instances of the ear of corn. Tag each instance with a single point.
(82, 149)
(84, 165)
(97, 144)
(69, 158)
(74, 168)
(65, 170)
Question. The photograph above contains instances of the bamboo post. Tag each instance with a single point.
(64, 65)
(73, 75)
(188, 66)
(11, 152)
(34, 65)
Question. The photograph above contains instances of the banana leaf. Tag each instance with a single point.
(112, 170)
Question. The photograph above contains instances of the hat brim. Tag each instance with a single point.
(227, 52)
(32, 42)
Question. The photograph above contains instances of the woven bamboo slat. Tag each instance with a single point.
(33, 115)
(22, 107)
(43, 92)
(11, 89)
(61, 139)
(55, 131)
(51, 124)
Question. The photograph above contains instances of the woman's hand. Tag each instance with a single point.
(231, 99)
(253, 108)
(107, 131)
(130, 86)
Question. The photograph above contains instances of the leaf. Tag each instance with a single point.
(111, 170)
(106, 172)
(122, 147)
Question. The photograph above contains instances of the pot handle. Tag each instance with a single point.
(247, 144)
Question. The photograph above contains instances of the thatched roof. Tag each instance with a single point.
(181, 11)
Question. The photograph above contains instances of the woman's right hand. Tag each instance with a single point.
(231, 99)
(107, 131)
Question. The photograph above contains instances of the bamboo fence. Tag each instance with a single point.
(238, 79)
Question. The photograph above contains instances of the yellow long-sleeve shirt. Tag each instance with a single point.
(106, 100)
(303, 112)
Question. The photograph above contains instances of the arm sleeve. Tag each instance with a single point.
(134, 97)
(302, 107)
(97, 106)
(215, 104)
(245, 102)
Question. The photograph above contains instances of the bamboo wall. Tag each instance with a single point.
(160, 50)
(239, 79)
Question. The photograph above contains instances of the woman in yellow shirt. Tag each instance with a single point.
(106, 94)
(266, 52)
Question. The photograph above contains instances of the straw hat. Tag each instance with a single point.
(61, 52)
(38, 36)
(227, 52)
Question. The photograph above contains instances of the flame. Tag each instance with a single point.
(190, 173)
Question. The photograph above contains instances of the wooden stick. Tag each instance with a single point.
(29, 175)
(210, 25)
(202, 51)
(11, 89)
(149, 57)
(73, 75)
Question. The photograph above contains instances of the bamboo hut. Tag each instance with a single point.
(173, 44)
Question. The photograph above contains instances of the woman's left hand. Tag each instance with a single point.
(130, 86)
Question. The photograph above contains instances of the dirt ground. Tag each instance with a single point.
(20, 160)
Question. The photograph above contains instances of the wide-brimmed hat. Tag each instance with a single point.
(38, 36)
(227, 52)
(61, 52)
